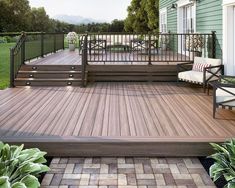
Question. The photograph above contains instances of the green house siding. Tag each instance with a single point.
(208, 18)
(171, 15)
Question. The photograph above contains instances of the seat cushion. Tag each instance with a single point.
(222, 96)
(194, 76)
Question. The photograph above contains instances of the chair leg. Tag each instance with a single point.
(214, 110)
(204, 88)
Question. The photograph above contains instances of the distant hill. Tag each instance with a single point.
(76, 19)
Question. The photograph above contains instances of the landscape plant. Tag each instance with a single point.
(224, 165)
(20, 168)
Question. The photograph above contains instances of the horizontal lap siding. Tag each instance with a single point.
(171, 15)
(209, 18)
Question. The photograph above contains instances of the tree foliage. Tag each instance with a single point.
(142, 16)
(17, 16)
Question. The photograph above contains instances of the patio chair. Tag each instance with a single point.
(224, 93)
(201, 71)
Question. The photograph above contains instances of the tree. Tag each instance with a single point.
(142, 16)
(152, 9)
(14, 15)
(117, 26)
(39, 20)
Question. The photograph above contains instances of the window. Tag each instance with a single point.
(188, 19)
(163, 21)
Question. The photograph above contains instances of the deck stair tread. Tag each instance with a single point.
(49, 75)
(49, 72)
(47, 79)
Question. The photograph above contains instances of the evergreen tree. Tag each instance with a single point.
(142, 16)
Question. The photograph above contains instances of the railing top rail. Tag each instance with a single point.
(133, 33)
(19, 42)
(29, 33)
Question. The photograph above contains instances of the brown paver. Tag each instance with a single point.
(126, 173)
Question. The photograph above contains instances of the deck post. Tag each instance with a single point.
(63, 41)
(23, 50)
(42, 44)
(54, 43)
(12, 72)
(149, 49)
(213, 44)
(84, 62)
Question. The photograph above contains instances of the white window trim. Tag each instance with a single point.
(180, 4)
(228, 37)
(163, 11)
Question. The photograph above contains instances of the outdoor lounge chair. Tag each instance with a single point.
(202, 71)
(224, 93)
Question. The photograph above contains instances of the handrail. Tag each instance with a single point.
(17, 54)
(84, 60)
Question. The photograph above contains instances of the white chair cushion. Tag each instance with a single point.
(212, 62)
(194, 76)
(222, 96)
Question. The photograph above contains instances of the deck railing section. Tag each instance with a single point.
(41, 44)
(149, 48)
(17, 57)
(33, 45)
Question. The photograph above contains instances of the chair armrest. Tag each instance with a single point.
(225, 76)
(218, 84)
(212, 67)
(189, 63)
(183, 66)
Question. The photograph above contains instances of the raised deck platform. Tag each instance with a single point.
(114, 119)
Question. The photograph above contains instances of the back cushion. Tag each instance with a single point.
(200, 66)
(206, 63)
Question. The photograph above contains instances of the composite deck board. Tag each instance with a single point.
(65, 57)
(113, 109)
(114, 112)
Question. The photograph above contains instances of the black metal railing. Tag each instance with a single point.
(148, 48)
(41, 44)
(83, 48)
(30, 46)
(17, 58)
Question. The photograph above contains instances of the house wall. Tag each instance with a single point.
(209, 17)
(171, 15)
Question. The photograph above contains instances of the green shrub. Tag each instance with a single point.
(224, 165)
(20, 168)
(3, 40)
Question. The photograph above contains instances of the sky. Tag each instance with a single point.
(105, 10)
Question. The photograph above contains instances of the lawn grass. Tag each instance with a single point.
(5, 64)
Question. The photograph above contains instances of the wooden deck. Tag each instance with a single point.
(114, 119)
(65, 57)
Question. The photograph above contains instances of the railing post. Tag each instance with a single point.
(42, 44)
(54, 43)
(12, 68)
(23, 50)
(84, 61)
(63, 40)
(149, 50)
(213, 44)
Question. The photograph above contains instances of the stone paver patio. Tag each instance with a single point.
(126, 173)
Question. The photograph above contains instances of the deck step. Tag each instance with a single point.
(47, 82)
(49, 75)
(51, 68)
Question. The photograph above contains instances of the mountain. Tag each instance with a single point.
(71, 19)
